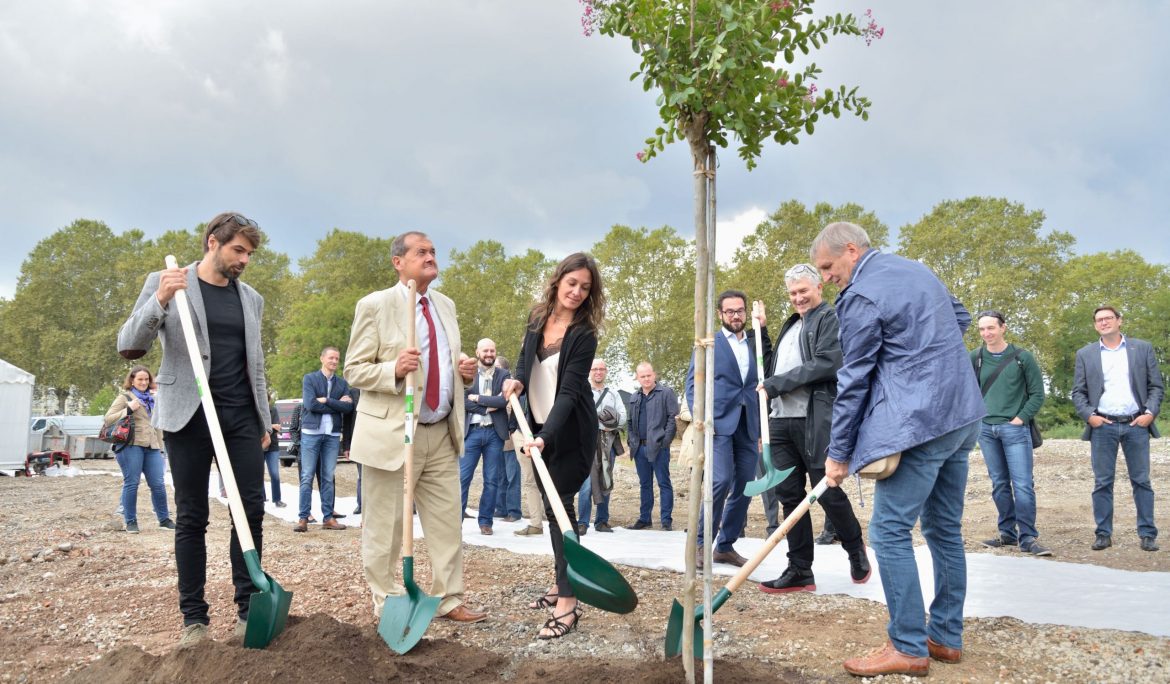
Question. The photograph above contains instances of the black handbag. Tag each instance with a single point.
(120, 433)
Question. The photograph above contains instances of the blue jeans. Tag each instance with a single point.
(928, 485)
(318, 452)
(272, 459)
(1135, 442)
(1007, 451)
(735, 461)
(585, 497)
(481, 441)
(508, 487)
(136, 461)
(648, 471)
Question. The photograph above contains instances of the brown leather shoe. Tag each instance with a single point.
(943, 654)
(301, 526)
(331, 524)
(485, 530)
(462, 613)
(729, 557)
(886, 660)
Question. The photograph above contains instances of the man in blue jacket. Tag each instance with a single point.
(737, 422)
(325, 400)
(906, 387)
(485, 432)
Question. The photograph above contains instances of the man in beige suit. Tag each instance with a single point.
(377, 363)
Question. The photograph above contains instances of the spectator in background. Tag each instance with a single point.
(325, 399)
(346, 439)
(144, 455)
(600, 480)
(508, 483)
(486, 431)
(1117, 389)
(272, 456)
(1013, 391)
(651, 430)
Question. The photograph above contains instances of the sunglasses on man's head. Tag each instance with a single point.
(242, 220)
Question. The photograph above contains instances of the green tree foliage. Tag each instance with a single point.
(1122, 279)
(345, 267)
(649, 281)
(991, 254)
(718, 69)
(782, 240)
(493, 293)
(63, 320)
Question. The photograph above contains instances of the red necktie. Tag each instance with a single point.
(432, 394)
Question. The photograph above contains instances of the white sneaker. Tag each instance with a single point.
(193, 634)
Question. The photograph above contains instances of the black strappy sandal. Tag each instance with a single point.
(558, 628)
(544, 602)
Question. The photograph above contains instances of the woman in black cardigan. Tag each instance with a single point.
(553, 372)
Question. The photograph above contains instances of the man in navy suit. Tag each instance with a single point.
(737, 421)
(325, 400)
(1117, 389)
(485, 432)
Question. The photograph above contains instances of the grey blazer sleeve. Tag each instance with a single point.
(1080, 388)
(1155, 390)
(141, 328)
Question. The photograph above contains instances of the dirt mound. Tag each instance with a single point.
(319, 648)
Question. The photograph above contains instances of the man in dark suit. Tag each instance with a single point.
(737, 421)
(485, 432)
(325, 400)
(1117, 389)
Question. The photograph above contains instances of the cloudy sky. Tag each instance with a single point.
(477, 119)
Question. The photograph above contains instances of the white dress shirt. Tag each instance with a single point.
(1117, 399)
(742, 352)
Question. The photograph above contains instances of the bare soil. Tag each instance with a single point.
(94, 604)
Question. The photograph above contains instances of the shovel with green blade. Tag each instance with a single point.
(593, 579)
(405, 618)
(268, 606)
(677, 622)
(771, 476)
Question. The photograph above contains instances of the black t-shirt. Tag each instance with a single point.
(229, 357)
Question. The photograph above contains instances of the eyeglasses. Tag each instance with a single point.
(1105, 319)
(802, 270)
(242, 220)
(734, 312)
(991, 314)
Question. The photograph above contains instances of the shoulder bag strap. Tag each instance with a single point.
(1003, 363)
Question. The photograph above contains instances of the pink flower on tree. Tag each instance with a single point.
(811, 95)
(782, 82)
(641, 155)
(872, 31)
(591, 15)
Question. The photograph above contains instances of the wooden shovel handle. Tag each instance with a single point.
(765, 433)
(771, 542)
(408, 453)
(550, 490)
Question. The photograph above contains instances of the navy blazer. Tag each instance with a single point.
(315, 385)
(732, 395)
(485, 401)
(1145, 380)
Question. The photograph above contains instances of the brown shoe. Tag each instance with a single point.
(301, 526)
(943, 654)
(485, 530)
(729, 557)
(886, 660)
(462, 613)
(530, 531)
(331, 524)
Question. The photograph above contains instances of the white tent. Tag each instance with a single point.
(16, 389)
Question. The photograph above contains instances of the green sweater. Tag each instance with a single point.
(1019, 389)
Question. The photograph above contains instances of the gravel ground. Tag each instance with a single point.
(75, 588)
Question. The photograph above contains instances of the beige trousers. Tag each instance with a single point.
(436, 498)
(532, 498)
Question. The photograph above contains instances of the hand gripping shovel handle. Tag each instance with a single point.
(549, 488)
(235, 505)
(408, 453)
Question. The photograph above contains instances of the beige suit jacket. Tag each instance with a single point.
(379, 333)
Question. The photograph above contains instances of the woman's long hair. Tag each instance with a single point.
(129, 381)
(591, 312)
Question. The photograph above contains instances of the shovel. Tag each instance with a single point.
(405, 618)
(674, 627)
(594, 580)
(771, 476)
(268, 606)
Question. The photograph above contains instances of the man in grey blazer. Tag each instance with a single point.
(226, 314)
(1117, 389)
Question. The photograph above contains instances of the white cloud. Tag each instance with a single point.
(729, 233)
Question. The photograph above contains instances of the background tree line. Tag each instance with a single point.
(78, 285)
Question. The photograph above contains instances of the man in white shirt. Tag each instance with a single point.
(603, 398)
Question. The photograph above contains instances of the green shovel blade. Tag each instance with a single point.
(405, 618)
(267, 608)
(676, 623)
(595, 581)
(769, 479)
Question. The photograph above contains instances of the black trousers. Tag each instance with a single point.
(788, 451)
(568, 470)
(191, 451)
